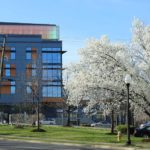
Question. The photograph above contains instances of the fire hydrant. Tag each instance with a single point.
(119, 136)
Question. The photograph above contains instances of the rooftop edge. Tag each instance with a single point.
(19, 23)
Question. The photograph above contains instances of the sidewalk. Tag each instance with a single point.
(112, 146)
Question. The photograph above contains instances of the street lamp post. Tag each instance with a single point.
(128, 81)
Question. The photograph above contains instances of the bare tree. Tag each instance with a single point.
(34, 85)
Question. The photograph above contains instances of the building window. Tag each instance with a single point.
(51, 49)
(29, 91)
(51, 66)
(12, 48)
(13, 55)
(33, 70)
(51, 91)
(56, 48)
(56, 91)
(45, 58)
(7, 70)
(31, 53)
(51, 57)
(47, 74)
(51, 74)
(28, 49)
(13, 87)
(28, 55)
(56, 57)
(29, 87)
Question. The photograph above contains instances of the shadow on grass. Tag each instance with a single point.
(40, 130)
(111, 133)
(67, 126)
(6, 134)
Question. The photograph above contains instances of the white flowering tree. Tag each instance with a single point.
(100, 74)
(105, 74)
(74, 88)
(138, 65)
(96, 77)
(107, 63)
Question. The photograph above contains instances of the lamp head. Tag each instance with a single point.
(127, 79)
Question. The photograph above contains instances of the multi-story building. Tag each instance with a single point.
(32, 52)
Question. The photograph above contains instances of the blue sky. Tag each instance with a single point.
(79, 20)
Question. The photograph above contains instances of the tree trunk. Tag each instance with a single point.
(8, 118)
(78, 117)
(38, 117)
(112, 121)
(68, 121)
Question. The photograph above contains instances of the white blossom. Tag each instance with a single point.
(99, 76)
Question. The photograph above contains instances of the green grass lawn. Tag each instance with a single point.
(79, 135)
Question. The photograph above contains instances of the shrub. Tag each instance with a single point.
(123, 129)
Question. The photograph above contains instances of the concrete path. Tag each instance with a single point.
(18, 145)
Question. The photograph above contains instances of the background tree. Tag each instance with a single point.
(73, 92)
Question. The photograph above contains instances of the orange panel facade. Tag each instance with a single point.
(34, 55)
(34, 49)
(28, 70)
(56, 100)
(5, 87)
(5, 90)
(13, 70)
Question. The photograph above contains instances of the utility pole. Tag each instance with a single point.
(2, 58)
(2, 61)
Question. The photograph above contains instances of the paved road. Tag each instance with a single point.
(14, 145)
